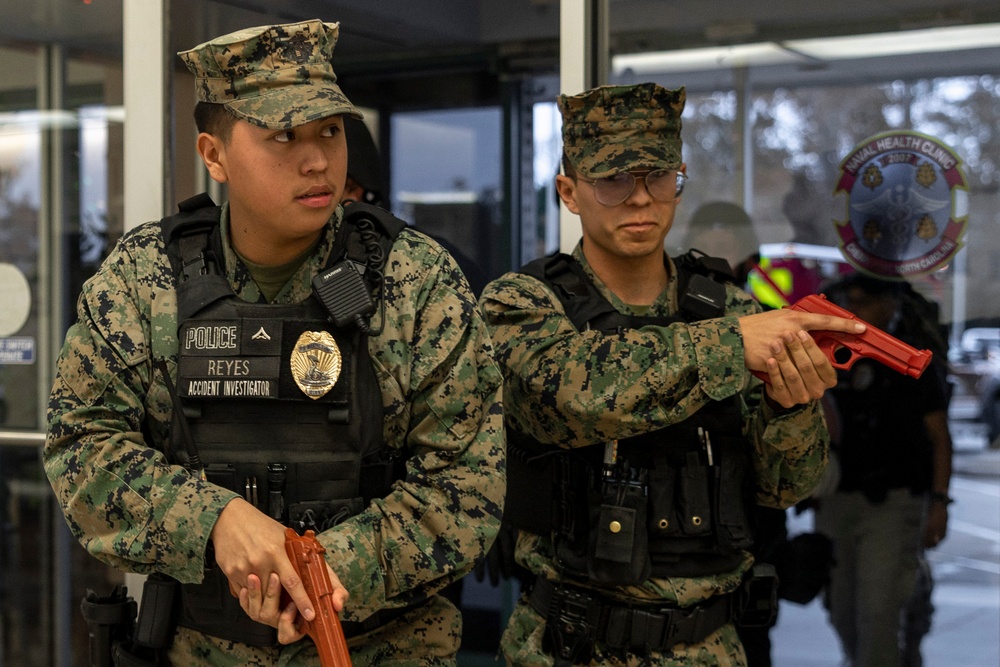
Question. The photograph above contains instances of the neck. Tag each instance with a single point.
(637, 281)
(270, 253)
(264, 250)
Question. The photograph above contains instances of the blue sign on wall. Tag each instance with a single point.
(17, 350)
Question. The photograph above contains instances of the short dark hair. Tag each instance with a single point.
(568, 169)
(214, 119)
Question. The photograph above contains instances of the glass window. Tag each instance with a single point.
(800, 137)
(446, 181)
(60, 176)
(541, 237)
(710, 150)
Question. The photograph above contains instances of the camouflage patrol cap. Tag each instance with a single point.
(611, 129)
(276, 77)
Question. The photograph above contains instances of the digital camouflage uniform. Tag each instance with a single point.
(109, 419)
(575, 389)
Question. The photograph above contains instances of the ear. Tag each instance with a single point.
(213, 153)
(566, 187)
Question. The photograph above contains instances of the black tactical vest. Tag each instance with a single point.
(279, 403)
(677, 500)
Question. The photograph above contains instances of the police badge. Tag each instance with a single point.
(315, 362)
(907, 205)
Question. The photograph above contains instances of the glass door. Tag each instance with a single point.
(60, 192)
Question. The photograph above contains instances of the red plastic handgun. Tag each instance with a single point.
(306, 554)
(843, 349)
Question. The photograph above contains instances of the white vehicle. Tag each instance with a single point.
(975, 374)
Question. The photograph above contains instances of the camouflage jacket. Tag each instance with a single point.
(109, 415)
(573, 389)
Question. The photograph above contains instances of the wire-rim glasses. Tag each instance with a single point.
(664, 185)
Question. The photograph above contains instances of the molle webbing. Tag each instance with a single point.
(690, 485)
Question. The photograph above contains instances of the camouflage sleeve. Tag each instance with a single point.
(790, 445)
(125, 504)
(791, 452)
(574, 388)
(445, 414)
(564, 386)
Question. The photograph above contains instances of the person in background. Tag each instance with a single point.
(638, 436)
(723, 229)
(208, 398)
(365, 181)
(804, 205)
(891, 501)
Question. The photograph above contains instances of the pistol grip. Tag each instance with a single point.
(306, 554)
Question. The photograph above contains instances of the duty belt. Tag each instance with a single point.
(376, 620)
(636, 628)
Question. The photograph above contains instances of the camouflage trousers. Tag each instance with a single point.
(521, 645)
(425, 637)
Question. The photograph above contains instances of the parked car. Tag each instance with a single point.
(975, 375)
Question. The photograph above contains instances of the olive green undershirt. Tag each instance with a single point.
(270, 279)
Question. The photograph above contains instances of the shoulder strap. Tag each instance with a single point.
(585, 306)
(362, 221)
(388, 224)
(194, 248)
(701, 282)
(186, 234)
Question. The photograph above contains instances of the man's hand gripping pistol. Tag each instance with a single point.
(306, 554)
(843, 349)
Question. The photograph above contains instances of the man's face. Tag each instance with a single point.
(632, 229)
(283, 184)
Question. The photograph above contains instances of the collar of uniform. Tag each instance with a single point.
(300, 285)
(665, 304)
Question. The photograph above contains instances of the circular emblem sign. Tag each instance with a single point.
(907, 202)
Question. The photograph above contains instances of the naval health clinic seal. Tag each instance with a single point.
(907, 203)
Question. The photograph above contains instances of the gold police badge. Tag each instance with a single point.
(315, 362)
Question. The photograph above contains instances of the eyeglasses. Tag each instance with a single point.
(662, 185)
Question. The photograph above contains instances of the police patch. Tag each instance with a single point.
(315, 362)
(907, 202)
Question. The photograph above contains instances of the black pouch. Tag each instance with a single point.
(157, 619)
(222, 474)
(803, 564)
(618, 553)
(694, 501)
(110, 622)
(662, 512)
(733, 498)
(757, 599)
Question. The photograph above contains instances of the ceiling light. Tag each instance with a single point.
(930, 40)
(809, 51)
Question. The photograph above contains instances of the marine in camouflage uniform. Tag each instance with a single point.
(110, 411)
(577, 389)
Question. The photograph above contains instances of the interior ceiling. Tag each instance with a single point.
(402, 28)
(404, 49)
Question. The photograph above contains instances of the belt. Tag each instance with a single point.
(378, 619)
(637, 628)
